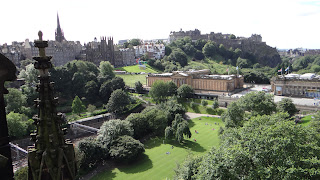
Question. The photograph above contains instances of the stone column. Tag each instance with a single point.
(7, 73)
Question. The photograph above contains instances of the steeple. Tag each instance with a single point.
(59, 36)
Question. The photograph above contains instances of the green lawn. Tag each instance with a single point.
(156, 164)
(306, 120)
(202, 110)
(137, 69)
(129, 79)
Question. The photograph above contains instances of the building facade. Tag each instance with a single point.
(200, 80)
(306, 85)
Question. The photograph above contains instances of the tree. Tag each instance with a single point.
(77, 106)
(234, 116)
(215, 104)
(91, 108)
(135, 42)
(117, 83)
(138, 87)
(167, 50)
(172, 88)
(189, 49)
(286, 105)
(105, 91)
(232, 36)
(30, 75)
(199, 44)
(178, 129)
(139, 123)
(185, 91)
(118, 101)
(199, 55)
(179, 56)
(106, 70)
(111, 130)
(15, 101)
(17, 124)
(258, 103)
(209, 49)
(159, 91)
(172, 108)
(157, 120)
(126, 148)
(92, 91)
(204, 102)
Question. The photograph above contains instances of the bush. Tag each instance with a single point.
(192, 105)
(204, 102)
(21, 173)
(215, 104)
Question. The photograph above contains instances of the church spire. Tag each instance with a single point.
(59, 36)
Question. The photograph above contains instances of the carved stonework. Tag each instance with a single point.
(52, 157)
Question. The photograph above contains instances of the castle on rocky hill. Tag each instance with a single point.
(265, 54)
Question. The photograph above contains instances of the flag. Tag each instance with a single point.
(227, 69)
(287, 69)
(237, 68)
(280, 70)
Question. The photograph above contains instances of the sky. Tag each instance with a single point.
(283, 24)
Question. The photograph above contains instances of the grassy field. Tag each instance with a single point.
(306, 120)
(156, 164)
(129, 79)
(137, 69)
(202, 110)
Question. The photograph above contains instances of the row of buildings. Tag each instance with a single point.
(63, 51)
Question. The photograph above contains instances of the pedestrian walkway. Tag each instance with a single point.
(195, 115)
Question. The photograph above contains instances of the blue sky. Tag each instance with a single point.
(281, 23)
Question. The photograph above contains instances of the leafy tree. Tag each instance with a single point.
(232, 36)
(234, 116)
(62, 77)
(209, 49)
(77, 106)
(192, 105)
(135, 42)
(215, 104)
(189, 49)
(21, 173)
(256, 77)
(30, 75)
(139, 123)
(156, 119)
(172, 88)
(126, 148)
(172, 108)
(117, 83)
(167, 50)
(105, 91)
(106, 70)
(91, 108)
(112, 130)
(266, 147)
(159, 91)
(199, 44)
(199, 55)
(118, 101)
(92, 91)
(258, 103)
(17, 124)
(204, 102)
(185, 91)
(31, 94)
(286, 105)
(178, 129)
(138, 87)
(179, 56)
(15, 101)
(243, 63)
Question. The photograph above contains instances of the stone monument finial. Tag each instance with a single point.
(40, 35)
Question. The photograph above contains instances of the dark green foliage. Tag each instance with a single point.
(111, 130)
(167, 50)
(18, 125)
(135, 42)
(21, 173)
(232, 36)
(286, 105)
(198, 55)
(159, 91)
(172, 88)
(15, 101)
(77, 106)
(105, 91)
(92, 91)
(139, 123)
(258, 103)
(118, 101)
(179, 56)
(256, 77)
(157, 120)
(171, 108)
(209, 49)
(117, 83)
(234, 116)
(189, 49)
(204, 102)
(243, 63)
(106, 70)
(91, 153)
(199, 44)
(215, 104)
(178, 129)
(138, 87)
(126, 148)
(188, 168)
(185, 91)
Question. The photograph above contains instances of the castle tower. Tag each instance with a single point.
(59, 35)
(111, 57)
(51, 157)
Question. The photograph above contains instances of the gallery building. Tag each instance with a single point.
(305, 85)
(200, 80)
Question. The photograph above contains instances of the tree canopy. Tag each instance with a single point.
(118, 101)
(77, 106)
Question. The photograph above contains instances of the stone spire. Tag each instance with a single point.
(7, 73)
(59, 35)
(51, 157)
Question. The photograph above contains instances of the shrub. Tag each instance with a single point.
(204, 102)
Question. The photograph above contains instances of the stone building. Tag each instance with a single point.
(200, 80)
(106, 51)
(306, 85)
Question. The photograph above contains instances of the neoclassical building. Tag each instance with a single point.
(305, 85)
(200, 80)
